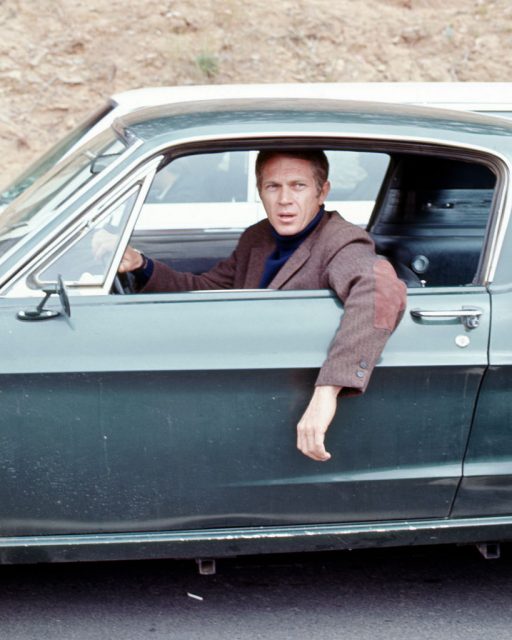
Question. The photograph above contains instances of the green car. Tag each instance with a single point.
(159, 425)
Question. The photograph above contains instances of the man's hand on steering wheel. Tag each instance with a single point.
(131, 260)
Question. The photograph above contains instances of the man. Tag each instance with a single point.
(301, 246)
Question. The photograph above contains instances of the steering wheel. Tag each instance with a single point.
(124, 283)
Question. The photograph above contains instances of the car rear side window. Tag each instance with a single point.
(433, 217)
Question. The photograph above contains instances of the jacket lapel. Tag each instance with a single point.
(295, 262)
(298, 258)
(256, 265)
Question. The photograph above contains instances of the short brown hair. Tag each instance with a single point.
(316, 157)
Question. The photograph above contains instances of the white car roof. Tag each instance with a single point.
(480, 96)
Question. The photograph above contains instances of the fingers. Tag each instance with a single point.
(310, 441)
(315, 422)
(131, 260)
(124, 265)
(104, 244)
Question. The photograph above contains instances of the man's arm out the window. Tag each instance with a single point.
(374, 301)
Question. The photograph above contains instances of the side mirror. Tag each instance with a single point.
(40, 313)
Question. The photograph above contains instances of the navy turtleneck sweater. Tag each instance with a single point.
(285, 246)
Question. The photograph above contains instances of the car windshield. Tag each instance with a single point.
(48, 160)
(40, 202)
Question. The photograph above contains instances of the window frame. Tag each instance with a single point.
(144, 162)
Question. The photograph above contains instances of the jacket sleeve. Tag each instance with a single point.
(227, 274)
(374, 300)
(165, 279)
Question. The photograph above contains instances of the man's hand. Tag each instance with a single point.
(315, 422)
(104, 244)
(131, 260)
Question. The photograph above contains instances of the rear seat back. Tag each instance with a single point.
(432, 218)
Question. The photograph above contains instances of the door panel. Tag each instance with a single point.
(178, 411)
(486, 488)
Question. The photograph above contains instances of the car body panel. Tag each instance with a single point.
(181, 414)
(486, 488)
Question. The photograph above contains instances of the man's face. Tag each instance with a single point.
(290, 194)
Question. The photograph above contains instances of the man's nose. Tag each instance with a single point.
(284, 194)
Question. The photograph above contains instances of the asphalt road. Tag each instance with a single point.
(441, 593)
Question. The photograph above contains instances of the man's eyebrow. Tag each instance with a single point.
(291, 179)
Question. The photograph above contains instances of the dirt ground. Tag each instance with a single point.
(59, 59)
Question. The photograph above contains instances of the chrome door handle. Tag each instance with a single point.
(469, 316)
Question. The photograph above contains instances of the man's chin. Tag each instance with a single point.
(286, 229)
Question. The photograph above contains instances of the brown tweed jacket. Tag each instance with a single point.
(337, 255)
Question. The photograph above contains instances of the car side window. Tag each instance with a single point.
(89, 253)
(202, 178)
(432, 220)
(198, 205)
(356, 178)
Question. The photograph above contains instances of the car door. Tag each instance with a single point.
(178, 411)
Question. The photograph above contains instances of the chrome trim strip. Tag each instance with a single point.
(128, 229)
(333, 536)
(500, 217)
(460, 313)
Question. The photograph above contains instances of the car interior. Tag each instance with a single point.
(426, 212)
(429, 216)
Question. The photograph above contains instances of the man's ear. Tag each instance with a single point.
(324, 192)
